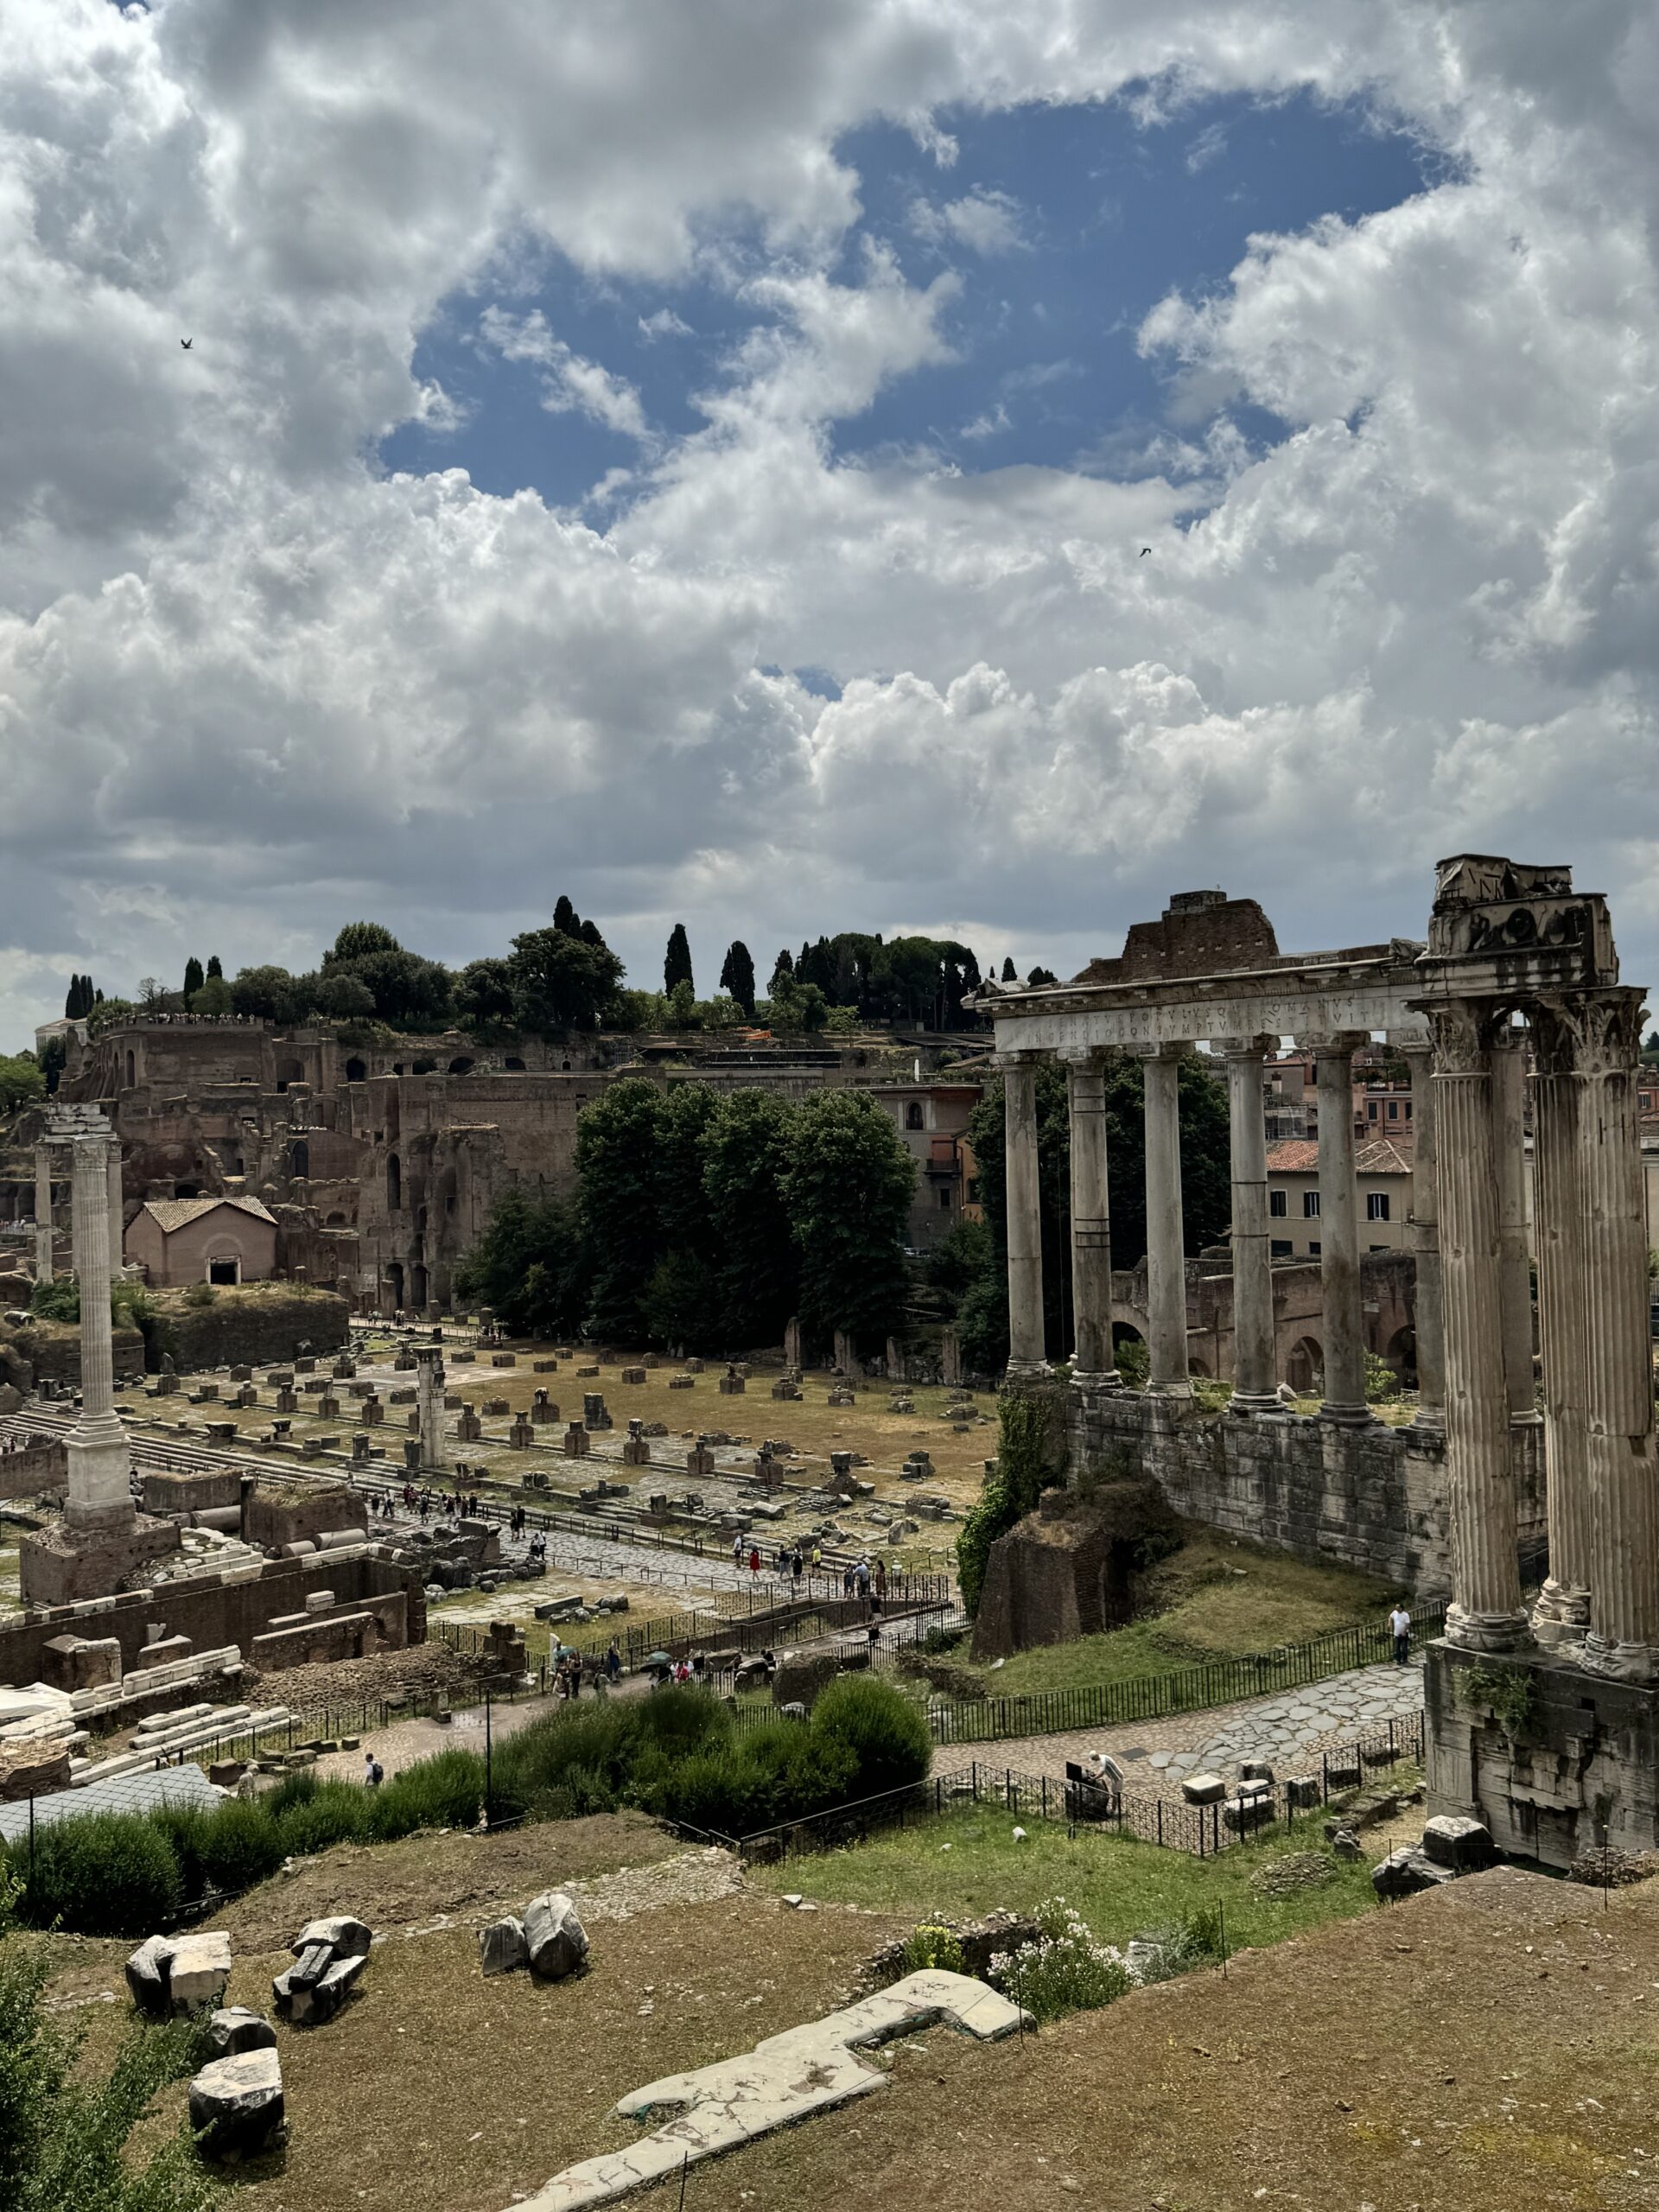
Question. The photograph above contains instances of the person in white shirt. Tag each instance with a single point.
(1400, 1630)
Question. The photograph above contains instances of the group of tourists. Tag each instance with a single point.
(604, 1673)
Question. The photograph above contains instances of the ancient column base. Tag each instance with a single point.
(1180, 1391)
(60, 1565)
(1561, 1619)
(1346, 1416)
(1430, 1419)
(1620, 1663)
(1028, 1371)
(1249, 1403)
(1487, 1631)
(1111, 1379)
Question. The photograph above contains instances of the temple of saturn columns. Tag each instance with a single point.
(1544, 1721)
(103, 1538)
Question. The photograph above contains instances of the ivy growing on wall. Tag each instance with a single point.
(1030, 1458)
(1511, 1693)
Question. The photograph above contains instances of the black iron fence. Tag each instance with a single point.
(1155, 1697)
(1171, 1823)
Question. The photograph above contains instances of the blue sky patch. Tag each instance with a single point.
(1063, 225)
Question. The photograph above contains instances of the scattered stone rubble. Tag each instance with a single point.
(170, 1975)
(550, 1940)
(330, 1956)
(1452, 1845)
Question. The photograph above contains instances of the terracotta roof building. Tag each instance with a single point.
(181, 1240)
(1382, 1170)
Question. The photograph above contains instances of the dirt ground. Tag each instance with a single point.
(1483, 2048)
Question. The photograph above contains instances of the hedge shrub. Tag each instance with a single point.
(104, 1874)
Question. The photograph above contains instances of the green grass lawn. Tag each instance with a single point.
(966, 1863)
(1213, 1600)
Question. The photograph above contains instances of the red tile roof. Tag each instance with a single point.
(1374, 1156)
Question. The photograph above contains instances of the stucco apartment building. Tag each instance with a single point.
(1384, 1175)
(180, 1240)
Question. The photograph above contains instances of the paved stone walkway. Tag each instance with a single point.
(1289, 1730)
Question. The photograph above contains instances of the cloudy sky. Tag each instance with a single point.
(697, 454)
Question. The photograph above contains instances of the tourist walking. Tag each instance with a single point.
(1400, 1630)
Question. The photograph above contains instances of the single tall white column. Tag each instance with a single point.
(99, 1456)
(1344, 1335)
(1027, 1350)
(428, 1388)
(1427, 1322)
(1093, 1366)
(1510, 1123)
(1485, 1613)
(1624, 1478)
(43, 1213)
(1254, 1361)
(1561, 1615)
(117, 1226)
(1165, 1230)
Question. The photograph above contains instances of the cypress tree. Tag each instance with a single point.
(192, 979)
(677, 961)
(737, 975)
(215, 966)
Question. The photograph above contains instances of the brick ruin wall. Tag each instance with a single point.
(213, 1611)
(1372, 1497)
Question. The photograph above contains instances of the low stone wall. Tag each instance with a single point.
(214, 1610)
(49, 1352)
(1571, 1765)
(42, 1464)
(199, 1492)
(1372, 1497)
(260, 1326)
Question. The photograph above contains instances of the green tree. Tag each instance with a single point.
(566, 919)
(213, 998)
(357, 941)
(1041, 976)
(783, 969)
(22, 1080)
(215, 969)
(528, 1267)
(344, 997)
(683, 1120)
(617, 1142)
(737, 975)
(54, 1053)
(1010, 973)
(65, 2127)
(266, 994)
(108, 1014)
(677, 961)
(194, 980)
(746, 1156)
(848, 1187)
(409, 993)
(484, 1002)
(561, 982)
(640, 1010)
(679, 1307)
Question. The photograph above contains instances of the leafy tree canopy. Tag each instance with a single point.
(357, 940)
(22, 1080)
(849, 1186)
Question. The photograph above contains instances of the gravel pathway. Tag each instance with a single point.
(1288, 1730)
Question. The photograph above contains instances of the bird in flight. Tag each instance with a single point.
(187, 343)
(1145, 550)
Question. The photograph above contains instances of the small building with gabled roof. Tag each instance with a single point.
(225, 1240)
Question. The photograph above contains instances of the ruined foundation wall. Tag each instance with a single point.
(1374, 1498)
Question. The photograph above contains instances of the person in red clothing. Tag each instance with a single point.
(755, 1559)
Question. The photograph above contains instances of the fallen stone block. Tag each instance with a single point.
(236, 2104)
(199, 1970)
(553, 1935)
(308, 2005)
(1403, 1873)
(502, 1948)
(235, 2028)
(1204, 1789)
(147, 1977)
(1465, 1846)
(345, 1937)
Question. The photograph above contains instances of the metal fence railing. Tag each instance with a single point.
(1171, 1823)
(1154, 1697)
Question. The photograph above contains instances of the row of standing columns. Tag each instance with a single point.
(114, 1200)
(1601, 1599)
(1255, 1372)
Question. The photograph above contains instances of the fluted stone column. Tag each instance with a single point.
(42, 1214)
(99, 1457)
(1561, 1615)
(1165, 1228)
(1427, 1322)
(1485, 1613)
(1623, 1486)
(1027, 1352)
(1093, 1366)
(1344, 1335)
(1510, 1129)
(429, 1394)
(1254, 1360)
(118, 1227)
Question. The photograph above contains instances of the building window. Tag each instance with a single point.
(1280, 1249)
(1376, 1206)
(972, 1189)
(1277, 1205)
(1371, 1109)
(912, 1117)
(1310, 1206)
(1314, 1249)
(945, 1199)
(1394, 1110)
